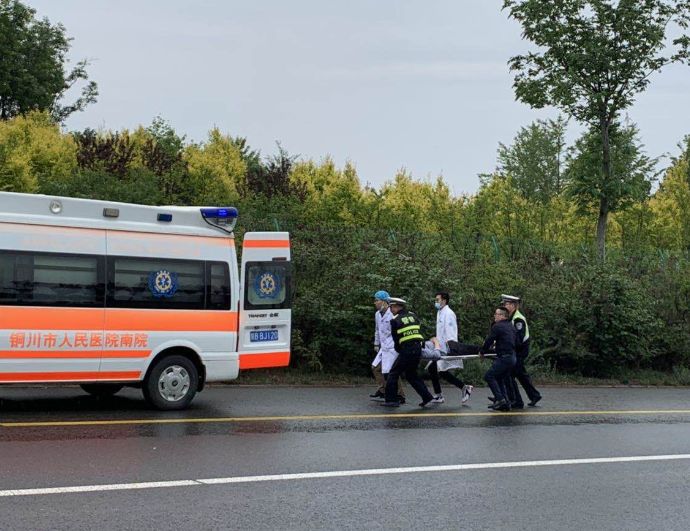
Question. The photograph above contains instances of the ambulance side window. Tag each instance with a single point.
(155, 283)
(9, 288)
(218, 281)
(267, 285)
(51, 279)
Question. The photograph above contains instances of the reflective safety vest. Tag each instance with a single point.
(409, 332)
(518, 315)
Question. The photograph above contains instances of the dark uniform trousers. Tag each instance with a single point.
(499, 374)
(381, 381)
(519, 374)
(406, 364)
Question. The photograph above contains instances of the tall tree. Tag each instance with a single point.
(33, 153)
(671, 203)
(594, 57)
(631, 166)
(535, 159)
(33, 74)
(252, 158)
(274, 179)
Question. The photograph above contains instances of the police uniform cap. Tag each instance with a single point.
(382, 295)
(397, 300)
(509, 298)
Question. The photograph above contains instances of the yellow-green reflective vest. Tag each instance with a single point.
(518, 315)
(410, 332)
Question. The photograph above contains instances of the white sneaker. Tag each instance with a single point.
(438, 399)
(467, 392)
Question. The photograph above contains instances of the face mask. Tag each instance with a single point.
(437, 305)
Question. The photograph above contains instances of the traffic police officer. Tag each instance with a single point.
(521, 351)
(501, 340)
(408, 340)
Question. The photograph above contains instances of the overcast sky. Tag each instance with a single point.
(383, 83)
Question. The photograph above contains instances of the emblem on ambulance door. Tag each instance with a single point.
(267, 285)
(162, 283)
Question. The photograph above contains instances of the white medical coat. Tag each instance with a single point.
(383, 337)
(447, 330)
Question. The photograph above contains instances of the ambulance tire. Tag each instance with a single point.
(172, 383)
(102, 389)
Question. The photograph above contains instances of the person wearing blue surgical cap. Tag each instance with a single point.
(384, 347)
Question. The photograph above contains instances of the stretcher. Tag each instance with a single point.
(466, 357)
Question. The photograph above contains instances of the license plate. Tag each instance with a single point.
(263, 335)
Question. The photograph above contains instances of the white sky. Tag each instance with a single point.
(383, 83)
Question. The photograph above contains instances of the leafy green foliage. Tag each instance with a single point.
(414, 238)
(34, 152)
(535, 160)
(631, 169)
(32, 65)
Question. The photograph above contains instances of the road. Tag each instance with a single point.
(327, 458)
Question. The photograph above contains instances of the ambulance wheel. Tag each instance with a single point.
(102, 389)
(172, 383)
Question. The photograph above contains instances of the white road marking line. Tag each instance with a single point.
(99, 488)
(337, 474)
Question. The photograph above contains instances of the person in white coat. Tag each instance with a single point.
(384, 347)
(446, 330)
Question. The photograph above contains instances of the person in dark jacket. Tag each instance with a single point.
(501, 340)
(408, 340)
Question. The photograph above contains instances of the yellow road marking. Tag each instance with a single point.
(352, 416)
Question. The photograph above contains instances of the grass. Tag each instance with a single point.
(474, 373)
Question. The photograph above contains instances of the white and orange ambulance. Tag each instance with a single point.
(109, 295)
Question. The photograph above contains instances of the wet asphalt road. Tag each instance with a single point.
(62, 438)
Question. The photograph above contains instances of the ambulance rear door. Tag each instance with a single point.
(265, 313)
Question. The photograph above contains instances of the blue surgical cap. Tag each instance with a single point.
(382, 295)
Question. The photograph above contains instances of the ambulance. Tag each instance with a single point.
(107, 295)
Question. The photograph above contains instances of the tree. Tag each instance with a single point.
(671, 204)
(162, 152)
(107, 152)
(216, 169)
(252, 158)
(327, 193)
(594, 57)
(276, 176)
(32, 65)
(632, 168)
(33, 153)
(535, 159)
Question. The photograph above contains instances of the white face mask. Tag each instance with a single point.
(437, 305)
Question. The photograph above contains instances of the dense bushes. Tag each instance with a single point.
(585, 317)
(409, 237)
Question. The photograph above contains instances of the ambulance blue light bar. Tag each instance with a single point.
(219, 213)
(223, 218)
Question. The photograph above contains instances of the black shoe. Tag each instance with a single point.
(513, 405)
(533, 402)
(501, 405)
(426, 402)
(377, 397)
(492, 399)
(390, 404)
